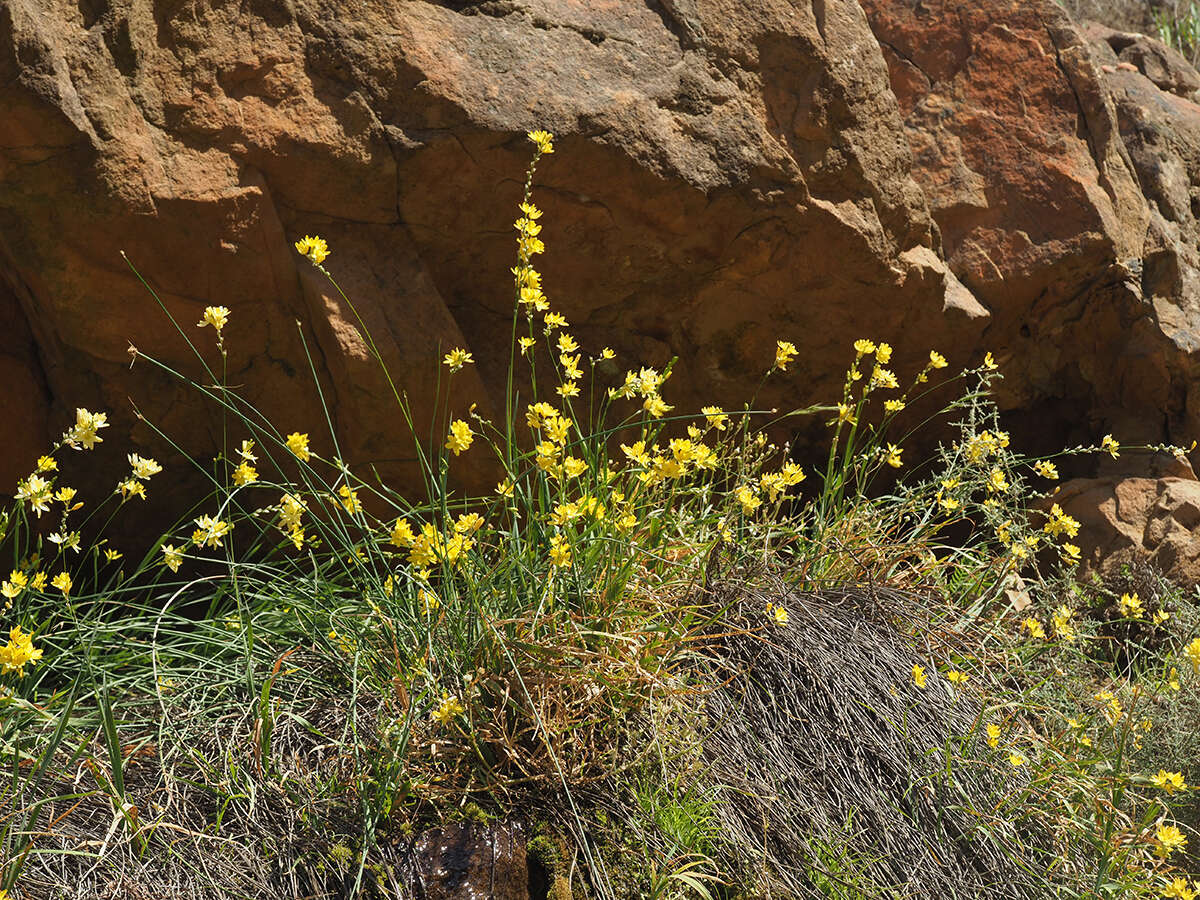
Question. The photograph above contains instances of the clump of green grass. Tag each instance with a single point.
(312, 667)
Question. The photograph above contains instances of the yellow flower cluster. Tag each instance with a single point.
(298, 444)
(1193, 653)
(985, 444)
(84, 432)
(430, 546)
(18, 652)
(210, 532)
(142, 470)
(314, 248)
(216, 316)
(460, 437)
(447, 710)
(1058, 522)
(785, 352)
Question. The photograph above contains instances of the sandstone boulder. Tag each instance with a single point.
(1156, 519)
(727, 173)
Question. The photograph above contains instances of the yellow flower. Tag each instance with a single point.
(785, 352)
(607, 353)
(893, 406)
(244, 474)
(314, 248)
(570, 366)
(1173, 679)
(505, 488)
(918, 676)
(715, 417)
(567, 344)
(85, 428)
(883, 353)
(893, 456)
(1178, 888)
(957, 677)
(348, 497)
(1169, 839)
(16, 654)
(1112, 706)
(989, 362)
(1062, 623)
(993, 736)
(554, 320)
(656, 406)
(1131, 606)
(1069, 555)
(131, 488)
(560, 551)
(1046, 469)
(543, 140)
(863, 346)
(12, 588)
(1169, 781)
(445, 712)
(209, 531)
(845, 414)
(402, 534)
(460, 437)
(1017, 759)
(1193, 654)
(216, 316)
(570, 389)
(1160, 616)
(885, 378)
(62, 581)
(112, 555)
(936, 360)
(298, 444)
(1034, 627)
(1060, 523)
(47, 464)
(573, 467)
(747, 497)
(457, 358)
(468, 523)
(996, 482)
(1109, 443)
(777, 613)
(526, 343)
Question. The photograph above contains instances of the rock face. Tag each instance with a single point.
(1152, 518)
(966, 177)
